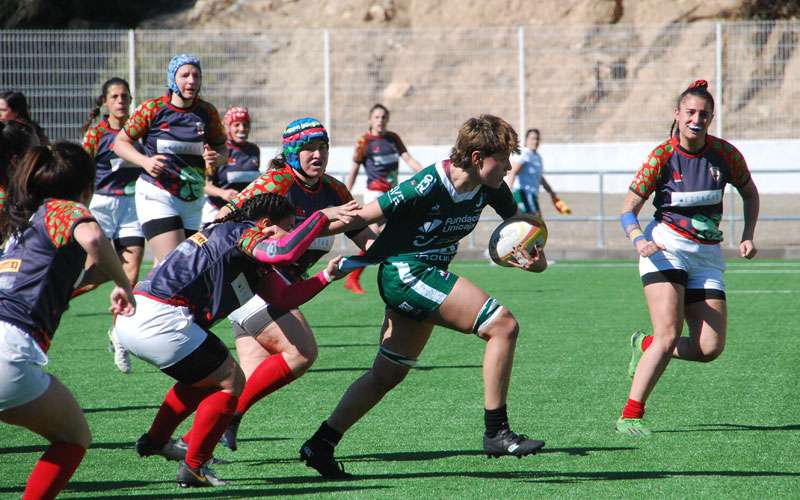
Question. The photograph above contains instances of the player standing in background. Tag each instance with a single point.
(15, 139)
(426, 217)
(530, 173)
(680, 259)
(113, 205)
(181, 133)
(276, 347)
(212, 273)
(379, 150)
(50, 233)
(241, 168)
(14, 106)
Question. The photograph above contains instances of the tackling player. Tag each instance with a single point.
(208, 276)
(680, 259)
(276, 347)
(426, 216)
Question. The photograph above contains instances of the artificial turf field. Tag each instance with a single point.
(729, 429)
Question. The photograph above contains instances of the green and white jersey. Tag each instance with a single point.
(426, 217)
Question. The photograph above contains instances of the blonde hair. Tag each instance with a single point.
(487, 134)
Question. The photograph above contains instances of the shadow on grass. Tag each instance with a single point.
(342, 327)
(576, 477)
(121, 408)
(551, 476)
(736, 428)
(92, 314)
(351, 344)
(229, 491)
(419, 456)
(416, 368)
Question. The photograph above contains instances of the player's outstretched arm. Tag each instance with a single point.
(361, 218)
(278, 293)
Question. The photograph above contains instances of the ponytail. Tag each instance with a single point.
(63, 171)
(277, 162)
(93, 114)
(273, 206)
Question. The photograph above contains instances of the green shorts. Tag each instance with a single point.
(414, 289)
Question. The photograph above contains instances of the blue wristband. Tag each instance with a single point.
(628, 219)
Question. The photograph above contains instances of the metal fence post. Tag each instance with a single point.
(132, 67)
(601, 223)
(326, 61)
(719, 115)
(521, 44)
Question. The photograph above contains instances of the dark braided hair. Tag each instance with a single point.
(101, 99)
(270, 205)
(699, 88)
(63, 170)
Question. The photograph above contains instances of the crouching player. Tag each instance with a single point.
(206, 278)
(426, 216)
(50, 233)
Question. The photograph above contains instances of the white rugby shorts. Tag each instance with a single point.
(161, 334)
(704, 264)
(116, 216)
(153, 203)
(210, 212)
(22, 378)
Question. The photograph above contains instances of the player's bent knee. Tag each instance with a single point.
(708, 355)
(300, 359)
(501, 324)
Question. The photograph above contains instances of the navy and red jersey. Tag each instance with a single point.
(179, 134)
(39, 269)
(113, 175)
(328, 192)
(688, 187)
(380, 155)
(242, 168)
(217, 270)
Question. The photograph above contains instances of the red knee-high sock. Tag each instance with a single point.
(356, 275)
(213, 416)
(646, 342)
(272, 374)
(53, 470)
(80, 291)
(179, 403)
(633, 409)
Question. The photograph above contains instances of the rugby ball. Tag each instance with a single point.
(521, 231)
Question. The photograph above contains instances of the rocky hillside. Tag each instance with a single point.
(261, 14)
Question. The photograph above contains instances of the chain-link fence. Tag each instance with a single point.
(606, 83)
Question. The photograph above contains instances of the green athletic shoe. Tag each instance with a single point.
(633, 427)
(636, 351)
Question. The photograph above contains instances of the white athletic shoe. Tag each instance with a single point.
(121, 356)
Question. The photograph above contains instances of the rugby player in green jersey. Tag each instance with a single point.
(425, 217)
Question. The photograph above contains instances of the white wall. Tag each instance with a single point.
(761, 154)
